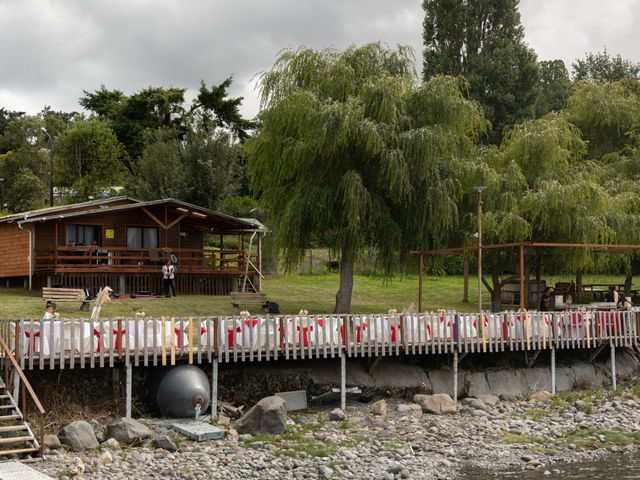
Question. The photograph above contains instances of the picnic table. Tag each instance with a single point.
(601, 289)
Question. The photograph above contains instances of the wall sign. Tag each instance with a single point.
(109, 233)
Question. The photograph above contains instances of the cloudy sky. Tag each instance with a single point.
(52, 50)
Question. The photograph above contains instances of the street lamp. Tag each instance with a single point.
(479, 190)
(50, 166)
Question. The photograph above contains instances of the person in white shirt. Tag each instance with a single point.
(50, 311)
(168, 275)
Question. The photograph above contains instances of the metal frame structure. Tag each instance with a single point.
(522, 246)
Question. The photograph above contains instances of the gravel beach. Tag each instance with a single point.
(399, 440)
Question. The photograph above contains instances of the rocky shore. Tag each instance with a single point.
(388, 439)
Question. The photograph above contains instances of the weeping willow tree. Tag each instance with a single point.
(526, 181)
(565, 203)
(605, 113)
(351, 149)
(620, 175)
(608, 114)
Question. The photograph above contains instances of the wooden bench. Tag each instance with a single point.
(52, 294)
(247, 298)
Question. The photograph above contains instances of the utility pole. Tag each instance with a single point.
(479, 190)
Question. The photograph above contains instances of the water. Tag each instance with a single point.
(615, 467)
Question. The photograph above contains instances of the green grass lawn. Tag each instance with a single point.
(315, 293)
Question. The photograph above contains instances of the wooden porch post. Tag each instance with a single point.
(259, 279)
(420, 269)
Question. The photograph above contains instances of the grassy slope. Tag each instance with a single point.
(315, 293)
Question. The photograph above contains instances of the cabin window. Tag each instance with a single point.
(84, 234)
(142, 237)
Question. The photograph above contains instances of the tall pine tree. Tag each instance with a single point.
(483, 40)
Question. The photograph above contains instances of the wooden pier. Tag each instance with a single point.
(166, 341)
(145, 341)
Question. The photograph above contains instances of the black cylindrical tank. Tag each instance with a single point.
(178, 390)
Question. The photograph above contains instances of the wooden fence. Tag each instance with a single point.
(145, 341)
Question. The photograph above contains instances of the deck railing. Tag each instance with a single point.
(123, 259)
(69, 343)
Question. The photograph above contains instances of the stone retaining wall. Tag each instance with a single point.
(247, 383)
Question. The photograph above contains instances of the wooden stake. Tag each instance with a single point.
(190, 340)
(172, 343)
(163, 342)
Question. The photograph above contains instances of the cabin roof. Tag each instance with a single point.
(100, 203)
(201, 215)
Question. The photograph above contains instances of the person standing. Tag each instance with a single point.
(50, 311)
(612, 295)
(168, 276)
(545, 300)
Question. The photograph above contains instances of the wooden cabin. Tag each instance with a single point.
(123, 243)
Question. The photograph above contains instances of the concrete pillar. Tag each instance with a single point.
(129, 389)
(614, 381)
(553, 370)
(455, 375)
(214, 388)
(343, 381)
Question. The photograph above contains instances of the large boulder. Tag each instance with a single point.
(474, 403)
(79, 435)
(52, 442)
(128, 431)
(269, 415)
(164, 442)
(540, 397)
(489, 400)
(379, 408)
(438, 404)
(337, 415)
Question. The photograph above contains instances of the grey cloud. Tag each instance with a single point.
(52, 50)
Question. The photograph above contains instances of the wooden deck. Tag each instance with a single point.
(78, 343)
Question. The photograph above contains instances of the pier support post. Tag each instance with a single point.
(455, 375)
(343, 381)
(214, 388)
(129, 388)
(614, 381)
(553, 370)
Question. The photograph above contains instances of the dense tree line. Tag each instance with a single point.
(150, 144)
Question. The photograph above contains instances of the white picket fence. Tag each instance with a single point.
(69, 343)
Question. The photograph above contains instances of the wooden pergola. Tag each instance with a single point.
(521, 246)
